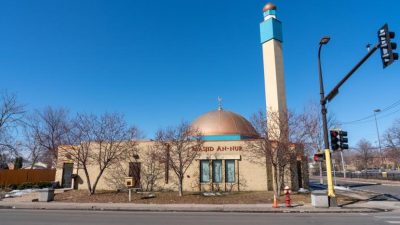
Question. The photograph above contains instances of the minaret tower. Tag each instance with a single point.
(271, 40)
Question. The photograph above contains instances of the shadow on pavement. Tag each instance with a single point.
(380, 197)
(358, 185)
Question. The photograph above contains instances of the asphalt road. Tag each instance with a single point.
(378, 188)
(42, 217)
(393, 190)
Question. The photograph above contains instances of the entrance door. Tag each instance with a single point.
(134, 171)
(66, 181)
(299, 174)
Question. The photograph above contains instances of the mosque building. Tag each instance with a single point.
(224, 162)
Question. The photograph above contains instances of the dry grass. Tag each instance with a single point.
(173, 198)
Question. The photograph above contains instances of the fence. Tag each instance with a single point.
(367, 175)
(15, 177)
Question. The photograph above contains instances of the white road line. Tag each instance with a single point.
(387, 217)
(393, 222)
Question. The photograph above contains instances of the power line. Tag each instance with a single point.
(372, 120)
(392, 106)
(389, 114)
(365, 119)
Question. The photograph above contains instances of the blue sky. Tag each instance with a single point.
(160, 62)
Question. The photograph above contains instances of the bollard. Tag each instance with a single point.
(287, 197)
(275, 205)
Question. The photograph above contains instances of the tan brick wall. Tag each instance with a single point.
(250, 175)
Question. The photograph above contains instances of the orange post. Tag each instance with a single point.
(275, 205)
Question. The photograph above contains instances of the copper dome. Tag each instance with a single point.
(220, 122)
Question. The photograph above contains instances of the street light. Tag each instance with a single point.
(331, 191)
(377, 132)
(324, 40)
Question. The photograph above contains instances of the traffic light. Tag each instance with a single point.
(334, 140)
(339, 140)
(319, 157)
(387, 46)
(343, 140)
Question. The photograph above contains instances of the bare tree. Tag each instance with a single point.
(81, 140)
(278, 143)
(366, 153)
(11, 114)
(146, 155)
(98, 141)
(152, 169)
(310, 122)
(178, 148)
(392, 142)
(111, 135)
(32, 146)
(49, 129)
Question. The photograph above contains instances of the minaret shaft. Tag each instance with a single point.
(275, 93)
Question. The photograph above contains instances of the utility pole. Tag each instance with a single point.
(321, 178)
(343, 165)
(377, 132)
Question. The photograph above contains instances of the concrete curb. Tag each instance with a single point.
(239, 208)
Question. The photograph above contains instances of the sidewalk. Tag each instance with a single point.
(245, 208)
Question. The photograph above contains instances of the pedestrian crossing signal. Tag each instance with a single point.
(319, 157)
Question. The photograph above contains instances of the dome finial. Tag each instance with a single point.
(269, 6)
(219, 103)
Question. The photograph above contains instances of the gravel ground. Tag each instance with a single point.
(24, 198)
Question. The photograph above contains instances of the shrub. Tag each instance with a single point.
(34, 185)
(11, 187)
(44, 184)
(24, 186)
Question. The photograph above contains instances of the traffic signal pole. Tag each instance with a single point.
(324, 111)
(335, 90)
(388, 57)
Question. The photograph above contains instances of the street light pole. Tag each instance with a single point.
(324, 111)
(331, 191)
(377, 132)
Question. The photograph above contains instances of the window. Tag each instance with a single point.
(217, 171)
(204, 171)
(230, 171)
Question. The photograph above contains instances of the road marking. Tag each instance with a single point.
(393, 222)
(387, 217)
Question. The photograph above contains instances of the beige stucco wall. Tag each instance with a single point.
(275, 94)
(250, 174)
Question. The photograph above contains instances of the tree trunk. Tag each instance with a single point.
(278, 181)
(275, 181)
(180, 187)
(88, 179)
(97, 181)
(34, 162)
(266, 173)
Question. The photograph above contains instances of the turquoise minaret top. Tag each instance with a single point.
(270, 28)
